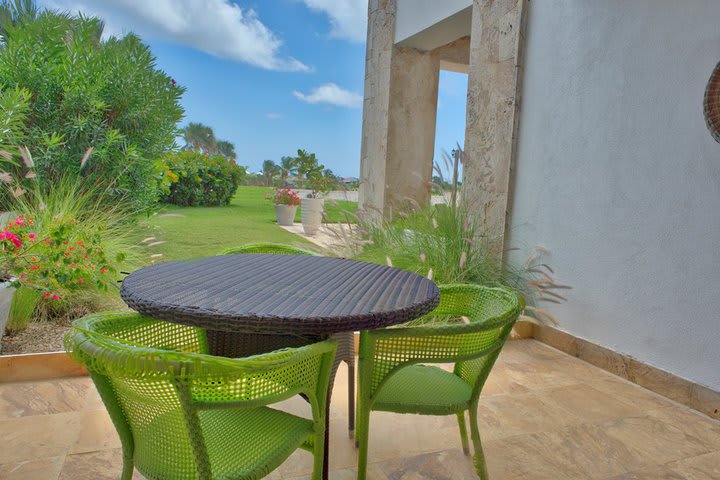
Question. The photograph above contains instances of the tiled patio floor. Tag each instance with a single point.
(545, 415)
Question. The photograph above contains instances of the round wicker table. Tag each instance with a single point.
(251, 304)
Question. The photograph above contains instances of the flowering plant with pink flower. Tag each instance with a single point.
(286, 196)
(67, 257)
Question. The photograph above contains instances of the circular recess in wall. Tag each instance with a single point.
(711, 104)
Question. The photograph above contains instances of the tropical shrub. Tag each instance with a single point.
(88, 92)
(316, 177)
(286, 196)
(63, 250)
(201, 179)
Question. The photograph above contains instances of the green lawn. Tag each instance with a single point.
(337, 211)
(188, 232)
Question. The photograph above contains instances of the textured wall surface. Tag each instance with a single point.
(399, 115)
(378, 58)
(496, 48)
(619, 178)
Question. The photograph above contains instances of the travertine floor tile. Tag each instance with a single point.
(702, 467)
(42, 469)
(651, 473)
(100, 465)
(590, 404)
(445, 465)
(707, 430)
(630, 393)
(543, 415)
(510, 415)
(42, 398)
(97, 432)
(528, 457)
(38, 436)
(655, 440)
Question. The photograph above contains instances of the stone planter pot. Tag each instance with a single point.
(5, 216)
(285, 214)
(311, 214)
(6, 296)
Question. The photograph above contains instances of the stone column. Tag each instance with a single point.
(399, 113)
(496, 47)
(378, 58)
(411, 129)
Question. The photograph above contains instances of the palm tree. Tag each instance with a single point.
(226, 149)
(13, 12)
(269, 171)
(288, 168)
(200, 137)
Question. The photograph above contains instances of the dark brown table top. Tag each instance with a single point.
(279, 294)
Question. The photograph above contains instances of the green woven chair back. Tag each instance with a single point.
(159, 385)
(267, 247)
(469, 328)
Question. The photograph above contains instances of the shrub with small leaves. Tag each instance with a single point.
(201, 179)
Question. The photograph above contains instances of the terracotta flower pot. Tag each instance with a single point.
(285, 214)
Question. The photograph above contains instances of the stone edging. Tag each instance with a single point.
(694, 395)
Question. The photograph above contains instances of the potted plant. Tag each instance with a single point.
(318, 180)
(286, 203)
(6, 295)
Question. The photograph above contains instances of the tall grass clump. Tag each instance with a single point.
(71, 245)
(22, 308)
(446, 243)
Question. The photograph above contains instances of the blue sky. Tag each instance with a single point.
(270, 76)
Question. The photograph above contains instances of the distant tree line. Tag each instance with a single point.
(300, 171)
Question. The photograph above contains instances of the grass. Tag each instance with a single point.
(337, 211)
(22, 307)
(188, 232)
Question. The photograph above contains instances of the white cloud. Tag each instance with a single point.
(273, 116)
(332, 94)
(217, 27)
(348, 18)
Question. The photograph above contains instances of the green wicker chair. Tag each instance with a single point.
(182, 414)
(470, 327)
(345, 341)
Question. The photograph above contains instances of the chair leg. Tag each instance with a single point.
(362, 432)
(318, 457)
(463, 432)
(128, 467)
(351, 396)
(480, 465)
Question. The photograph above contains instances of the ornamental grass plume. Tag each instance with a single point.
(446, 244)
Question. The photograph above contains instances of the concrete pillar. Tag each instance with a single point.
(496, 47)
(411, 128)
(378, 58)
(399, 112)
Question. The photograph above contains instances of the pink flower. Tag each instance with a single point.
(31, 236)
(22, 275)
(55, 297)
(80, 280)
